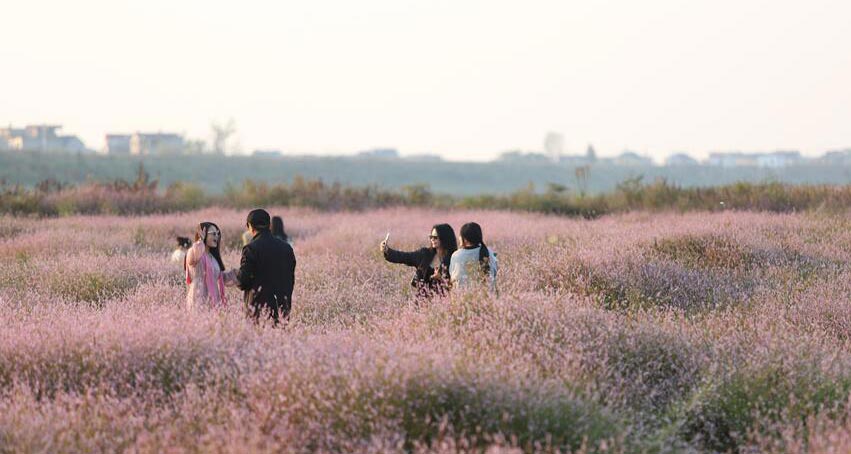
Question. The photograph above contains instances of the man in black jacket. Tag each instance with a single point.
(266, 271)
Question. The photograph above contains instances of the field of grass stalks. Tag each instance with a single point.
(702, 332)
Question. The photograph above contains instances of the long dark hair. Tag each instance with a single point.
(278, 228)
(472, 232)
(214, 251)
(446, 235)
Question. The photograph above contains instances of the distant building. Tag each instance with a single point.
(142, 144)
(517, 156)
(9, 136)
(117, 144)
(731, 159)
(267, 153)
(424, 158)
(632, 159)
(775, 159)
(778, 159)
(382, 153)
(837, 157)
(680, 160)
(39, 138)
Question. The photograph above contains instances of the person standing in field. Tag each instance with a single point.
(205, 271)
(266, 271)
(431, 263)
(474, 263)
(278, 229)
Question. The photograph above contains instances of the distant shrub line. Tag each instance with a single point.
(142, 196)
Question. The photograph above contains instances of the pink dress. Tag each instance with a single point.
(206, 280)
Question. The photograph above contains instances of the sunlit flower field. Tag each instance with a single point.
(630, 333)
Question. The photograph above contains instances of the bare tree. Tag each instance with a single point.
(582, 173)
(221, 134)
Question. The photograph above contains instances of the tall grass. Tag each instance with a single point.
(698, 332)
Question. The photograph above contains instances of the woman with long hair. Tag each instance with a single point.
(474, 262)
(278, 229)
(205, 271)
(431, 263)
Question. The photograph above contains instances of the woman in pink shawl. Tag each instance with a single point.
(205, 271)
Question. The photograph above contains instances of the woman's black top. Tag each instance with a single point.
(421, 259)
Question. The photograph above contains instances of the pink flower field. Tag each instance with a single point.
(630, 333)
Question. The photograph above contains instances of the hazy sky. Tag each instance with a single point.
(465, 79)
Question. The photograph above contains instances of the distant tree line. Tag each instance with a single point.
(143, 195)
(215, 173)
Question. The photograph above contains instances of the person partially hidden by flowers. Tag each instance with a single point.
(266, 271)
(204, 270)
(431, 263)
(473, 264)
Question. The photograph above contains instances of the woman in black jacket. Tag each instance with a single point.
(432, 263)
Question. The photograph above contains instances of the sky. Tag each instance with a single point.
(461, 78)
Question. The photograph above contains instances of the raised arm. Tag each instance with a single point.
(194, 254)
(406, 258)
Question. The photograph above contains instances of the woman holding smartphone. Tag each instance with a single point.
(431, 263)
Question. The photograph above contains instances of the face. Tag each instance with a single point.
(435, 240)
(214, 236)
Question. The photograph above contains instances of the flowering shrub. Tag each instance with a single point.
(627, 333)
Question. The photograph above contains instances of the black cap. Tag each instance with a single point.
(259, 219)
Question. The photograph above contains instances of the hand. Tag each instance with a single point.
(229, 277)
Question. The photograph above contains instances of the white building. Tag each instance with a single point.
(734, 159)
(39, 138)
(8, 137)
(775, 159)
(778, 159)
(142, 144)
(837, 157)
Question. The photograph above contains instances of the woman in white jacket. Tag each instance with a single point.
(473, 263)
